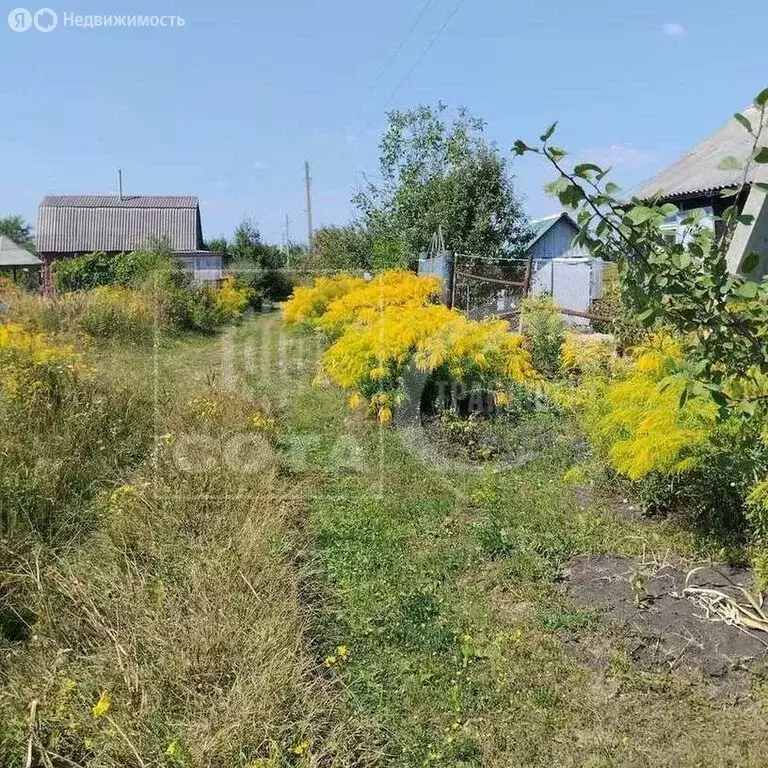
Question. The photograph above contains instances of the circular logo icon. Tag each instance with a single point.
(46, 20)
(19, 19)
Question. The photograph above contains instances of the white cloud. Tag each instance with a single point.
(258, 165)
(619, 155)
(673, 29)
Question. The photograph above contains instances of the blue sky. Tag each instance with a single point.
(228, 106)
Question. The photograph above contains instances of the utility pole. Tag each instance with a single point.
(308, 181)
(120, 182)
(287, 243)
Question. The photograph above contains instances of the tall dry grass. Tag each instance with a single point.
(169, 625)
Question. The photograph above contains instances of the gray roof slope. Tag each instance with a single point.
(12, 255)
(114, 201)
(697, 171)
(73, 223)
(540, 227)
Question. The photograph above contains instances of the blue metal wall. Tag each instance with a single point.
(555, 241)
(442, 266)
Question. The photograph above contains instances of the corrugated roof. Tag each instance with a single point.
(697, 171)
(77, 223)
(12, 255)
(539, 227)
(113, 201)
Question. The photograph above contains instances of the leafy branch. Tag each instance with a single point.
(683, 285)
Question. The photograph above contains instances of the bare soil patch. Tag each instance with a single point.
(665, 630)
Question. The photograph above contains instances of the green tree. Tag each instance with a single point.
(256, 264)
(436, 173)
(19, 231)
(345, 248)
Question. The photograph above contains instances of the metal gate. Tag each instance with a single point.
(478, 296)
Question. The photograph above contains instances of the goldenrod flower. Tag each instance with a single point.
(301, 748)
(101, 707)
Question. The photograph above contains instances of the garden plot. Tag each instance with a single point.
(676, 618)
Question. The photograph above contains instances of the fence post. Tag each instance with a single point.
(452, 298)
(526, 288)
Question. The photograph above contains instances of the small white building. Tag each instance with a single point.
(574, 281)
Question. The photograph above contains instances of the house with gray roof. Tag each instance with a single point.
(697, 180)
(71, 224)
(552, 237)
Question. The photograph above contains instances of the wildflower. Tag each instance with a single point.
(342, 652)
(101, 707)
(301, 748)
(501, 399)
(354, 401)
(385, 415)
(120, 493)
(172, 749)
(260, 421)
(230, 299)
(330, 661)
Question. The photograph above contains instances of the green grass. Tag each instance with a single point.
(444, 589)
(348, 604)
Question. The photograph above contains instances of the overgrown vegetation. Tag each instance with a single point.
(131, 297)
(150, 597)
(685, 414)
(258, 267)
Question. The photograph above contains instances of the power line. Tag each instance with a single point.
(400, 46)
(426, 50)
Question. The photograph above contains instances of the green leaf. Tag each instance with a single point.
(544, 136)
(668, 209)
(643, 316)
(611, 188)
(746, 218)
(761, 155)
(751, 260)
(582, 170)
(719, 398)
(743, 121)
(747, 290)
(557, 153)
(571, 196)
(556, 187)
(762, 186)
(520, 147)
(730, 163)
(729, 193)
(761, 98)
(640, 214)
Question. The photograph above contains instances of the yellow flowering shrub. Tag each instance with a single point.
(31, 365)
(365, 303)
(230, 299)
(370, 359)
(308, 302)
(636, 420)
(584, 354)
